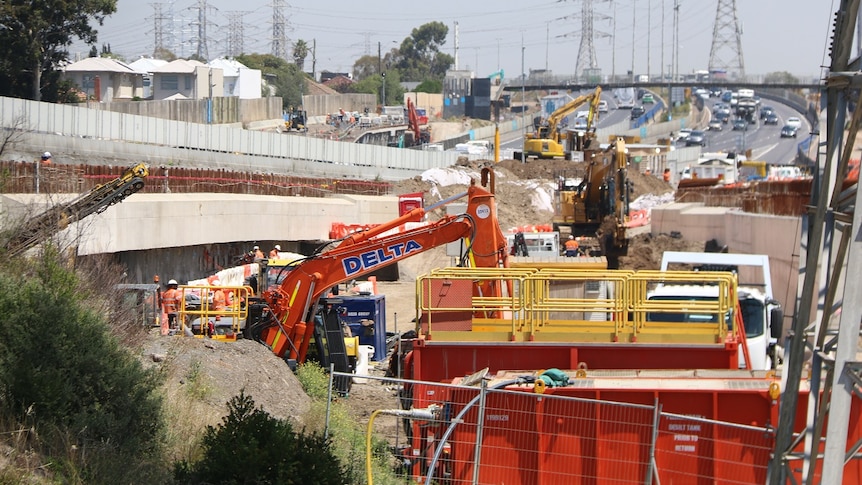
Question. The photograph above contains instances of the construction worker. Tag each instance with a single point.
(572, 247)
(171, 302)
(274, 253)
(258, 254)
(666, 175)
(219, 297)
(47, 158)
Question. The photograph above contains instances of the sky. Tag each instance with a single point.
(777, 35)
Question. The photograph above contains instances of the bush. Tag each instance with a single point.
(250, 446)
(63, 374)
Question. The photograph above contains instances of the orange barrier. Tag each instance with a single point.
(638, 218)
(532, 228)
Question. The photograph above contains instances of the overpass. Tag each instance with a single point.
(572, 85)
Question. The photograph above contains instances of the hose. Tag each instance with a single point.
(369, 476)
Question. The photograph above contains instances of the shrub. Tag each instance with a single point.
(62, 373)
(250, 446)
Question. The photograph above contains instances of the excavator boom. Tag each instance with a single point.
(57, 218)
(293, 304)
(547, 142)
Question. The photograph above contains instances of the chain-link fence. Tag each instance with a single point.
(509, 433)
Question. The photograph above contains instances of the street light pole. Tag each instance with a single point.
(383, 103)
(523, 100)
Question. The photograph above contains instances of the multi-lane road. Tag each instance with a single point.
(764, 141)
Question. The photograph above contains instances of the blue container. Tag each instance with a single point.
(354, 309)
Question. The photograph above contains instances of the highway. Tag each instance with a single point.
(764, 141)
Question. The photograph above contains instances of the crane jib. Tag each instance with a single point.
(376, 257)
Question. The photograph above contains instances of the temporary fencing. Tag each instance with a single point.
(512, 434)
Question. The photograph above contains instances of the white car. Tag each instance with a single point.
(683, 134)
(794, 122)
(603, 106)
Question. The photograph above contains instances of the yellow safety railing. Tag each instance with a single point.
(200, 316)
(683, 319)
(577, 305)
(588, 305)
(445, 300)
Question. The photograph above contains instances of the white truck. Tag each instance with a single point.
(395, 114)
(762, 315)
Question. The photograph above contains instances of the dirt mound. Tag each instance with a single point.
(645, 250)
(214, 371)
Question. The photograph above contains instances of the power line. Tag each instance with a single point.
(726, 52)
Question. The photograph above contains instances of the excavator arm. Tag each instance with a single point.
(57, 218)
(290, 325)
(558, 115)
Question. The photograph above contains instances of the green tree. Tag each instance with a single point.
(430, 86)
(250, 446)
(64, 373)
(366, 66)
(300, 52)
(287, 78)
(419, 56)
(164, 54)
(373, 85)
(34, 39)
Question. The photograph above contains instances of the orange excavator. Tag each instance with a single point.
(288, 315)
(418, 134)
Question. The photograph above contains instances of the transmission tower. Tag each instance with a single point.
(279, 32)
(201, 23)
(158, 28)
(235, 35)
(587, 50)
(726, 52)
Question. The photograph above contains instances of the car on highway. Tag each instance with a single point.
(771, 119)
(794, 122)
(740, 124)
(637, 112)
(715, 124)
(648, 99)
(766, 111)
(723, 116)
(603, 106)
(789, 131)
(683, 134)
(696, 137)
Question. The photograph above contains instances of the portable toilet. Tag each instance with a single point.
(366, 317)
(408, 202)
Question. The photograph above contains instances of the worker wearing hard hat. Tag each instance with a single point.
(171, 302)
(47, 158)
(258, 254)
(572, 247)
(274, 253)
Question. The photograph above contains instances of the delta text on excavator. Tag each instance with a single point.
(286, 321)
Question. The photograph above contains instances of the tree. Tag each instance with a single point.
(164, 54)
(419, 56)
(289, 81)
(373, 85)
(34, 39)
(366, 66)
(250, 446)
(300, 52)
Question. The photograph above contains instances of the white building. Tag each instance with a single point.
(239, 80)
(105, 79)
(147, 65)
(188, 79)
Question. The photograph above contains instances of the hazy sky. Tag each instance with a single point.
(778, 35)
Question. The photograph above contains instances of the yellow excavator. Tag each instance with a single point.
(548, 140)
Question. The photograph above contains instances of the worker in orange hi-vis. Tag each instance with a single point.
(273, 254)
(572, 247)
(219, 297)
(171, 302)
(47, 158)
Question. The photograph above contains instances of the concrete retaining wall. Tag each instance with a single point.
(775, 236)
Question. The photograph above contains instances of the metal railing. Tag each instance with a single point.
(569, 305)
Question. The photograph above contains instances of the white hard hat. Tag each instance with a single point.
(46, 155)
(216, 282)
(256, 248)
(172, 282)
(277, 247)
(571, 237)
